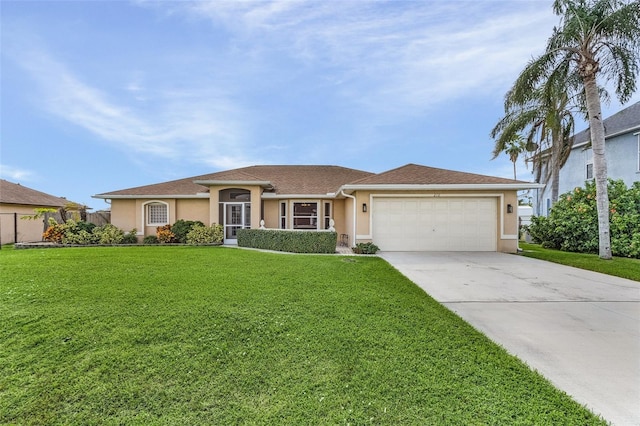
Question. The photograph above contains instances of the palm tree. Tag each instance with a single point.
(595, 39)
(514, 148)
(545, 116)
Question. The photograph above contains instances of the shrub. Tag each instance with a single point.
(289, 241)
(130, 237)
(201, 234)
(164, 234)
(150, 239)
(572, 224)
(108, 234)
(365, 248)
(182, 227)
(54, 233)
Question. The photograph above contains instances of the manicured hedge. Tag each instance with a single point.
(289, 241)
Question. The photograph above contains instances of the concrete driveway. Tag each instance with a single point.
(579, 329)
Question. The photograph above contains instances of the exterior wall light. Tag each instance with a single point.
(509, 208)
(364, 207)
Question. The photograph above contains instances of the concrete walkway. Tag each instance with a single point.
(579, 329)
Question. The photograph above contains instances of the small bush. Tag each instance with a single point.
(182, 227)
(201, 234)
(289, 241)
(54, 233)
(150, 239)
(108, 234)
(165, 235)
(365, 248)
(130, 237)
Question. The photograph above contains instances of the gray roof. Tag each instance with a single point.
(626, 120)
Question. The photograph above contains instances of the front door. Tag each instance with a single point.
(236, 216)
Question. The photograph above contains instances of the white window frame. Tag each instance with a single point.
(588, 162)
(326, 218)
(294, 217)
(282, 215)
(638, 135)
(147, 213)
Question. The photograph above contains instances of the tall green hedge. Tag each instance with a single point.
(572, 224)
(289, 241)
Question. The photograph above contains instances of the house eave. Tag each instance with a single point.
(274, 196)
(441, 187)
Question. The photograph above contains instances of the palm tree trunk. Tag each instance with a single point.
(514, 171)
(596, 125)
(555, 164)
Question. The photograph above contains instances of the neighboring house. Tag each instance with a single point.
(622, 144)
(409, 208)
(17, 201)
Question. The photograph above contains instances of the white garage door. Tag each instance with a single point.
(435, 224)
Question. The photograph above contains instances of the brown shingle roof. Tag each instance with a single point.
(14, 193)
(285, 180)
(423, 175)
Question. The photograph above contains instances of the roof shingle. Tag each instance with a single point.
(423, 175)
(14, 193)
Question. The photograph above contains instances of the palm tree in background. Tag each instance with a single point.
(596, 39)
(544, 116)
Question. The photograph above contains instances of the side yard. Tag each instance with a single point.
(618, 266)
(184, 335)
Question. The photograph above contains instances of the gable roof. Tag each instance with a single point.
(415, 174)
(14, 193)
(623, 121)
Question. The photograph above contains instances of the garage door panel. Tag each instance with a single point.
(435, 224)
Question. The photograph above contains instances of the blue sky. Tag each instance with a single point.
(104, 95)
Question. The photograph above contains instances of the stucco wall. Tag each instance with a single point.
(123, 214)
(506, 226)
(14, 229)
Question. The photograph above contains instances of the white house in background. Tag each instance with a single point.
(622, 141)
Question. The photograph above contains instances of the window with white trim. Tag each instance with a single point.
(589, 164)
(327, 214)
(305, 215)
(638, 135)
(283, 215)
(157, 214)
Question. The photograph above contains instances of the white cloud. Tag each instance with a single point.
(15, 174)
(189, 124)
(395, 55)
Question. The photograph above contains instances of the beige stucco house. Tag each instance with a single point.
(17, 201)
(411, 208)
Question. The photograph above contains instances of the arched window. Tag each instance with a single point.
(156, 213)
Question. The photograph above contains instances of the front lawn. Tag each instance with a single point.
(618, 266)
(202, 335)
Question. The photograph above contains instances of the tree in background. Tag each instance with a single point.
(545, 116)
(595, 39)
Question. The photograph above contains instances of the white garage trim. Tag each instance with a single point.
(501, 210)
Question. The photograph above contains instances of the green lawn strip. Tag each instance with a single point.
(618, 266)
(179, 335)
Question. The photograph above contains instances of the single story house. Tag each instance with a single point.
(17, 201)
(410, 208)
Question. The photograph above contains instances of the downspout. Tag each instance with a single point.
(353, 242)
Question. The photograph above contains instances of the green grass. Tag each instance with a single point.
(618, 266)
(195, 335)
